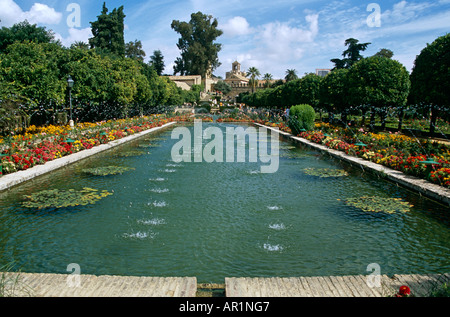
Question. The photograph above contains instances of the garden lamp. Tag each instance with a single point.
(1, 166)
(70, 83)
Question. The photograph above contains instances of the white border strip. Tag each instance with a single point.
(419, 185)
(17, 178)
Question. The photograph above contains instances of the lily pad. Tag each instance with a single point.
(55, 198)
(131, 153)
(107, 170)
(379, 204)
(325, 172)
(146, 146)
(294, 155)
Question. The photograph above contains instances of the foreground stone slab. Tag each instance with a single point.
(332, 286)
(65, 285)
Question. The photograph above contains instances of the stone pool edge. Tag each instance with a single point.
(423, 187)
(10, 180)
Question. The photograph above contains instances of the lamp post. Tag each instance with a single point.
(1, 165)
(70, 85)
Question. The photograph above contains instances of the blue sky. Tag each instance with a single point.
(271, 35)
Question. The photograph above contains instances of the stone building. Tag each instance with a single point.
(186, 82)
(236, 76)
(239, 82)
(322, 72)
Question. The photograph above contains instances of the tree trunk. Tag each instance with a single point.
(372, 120)
(330, 117)
(344, 118)
(383, 119)
(400, 119)
(433, 117)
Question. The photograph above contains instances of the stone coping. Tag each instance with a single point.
(19, 177)
(423, 187)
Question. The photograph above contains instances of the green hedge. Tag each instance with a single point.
(301, 117)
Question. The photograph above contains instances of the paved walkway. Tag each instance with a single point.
(68, 285)
(333, 286)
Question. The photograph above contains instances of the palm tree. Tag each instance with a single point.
(80, 45)
(254, 73)
(291, 74)
(267, 77)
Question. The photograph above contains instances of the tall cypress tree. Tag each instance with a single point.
(108, 31)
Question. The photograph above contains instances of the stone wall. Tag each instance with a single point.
(236, 89)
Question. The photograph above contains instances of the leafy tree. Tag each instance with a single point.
(192, 95)
(134, 50)
(277, 83)
(385, 53)
(275, 97)
(199, 52)
(267, 78)
(253, 73)
(308, 92)
(108, 31)
(291, 74)
(29, 70)
(24, 31)
(430, 78)
(290, 92)
(379, 83)
(223, 87)
(333, 92)
(351, 54)
(157, 61)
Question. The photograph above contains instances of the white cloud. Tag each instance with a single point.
(281, 40)
(236, 26)
(404, 11)
(75, 35)
(11, 13)
(273, 47)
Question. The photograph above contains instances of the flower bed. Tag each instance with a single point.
(42, 144)
(39, 145)
(392, 150)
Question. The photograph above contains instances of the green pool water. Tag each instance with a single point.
(217, 220)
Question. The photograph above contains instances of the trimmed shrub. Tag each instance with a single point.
(301, 117)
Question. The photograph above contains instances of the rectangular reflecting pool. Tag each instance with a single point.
(315, 216)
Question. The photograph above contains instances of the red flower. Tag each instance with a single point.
(404, 291)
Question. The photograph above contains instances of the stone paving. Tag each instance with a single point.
(69, 285)
(334, 286)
